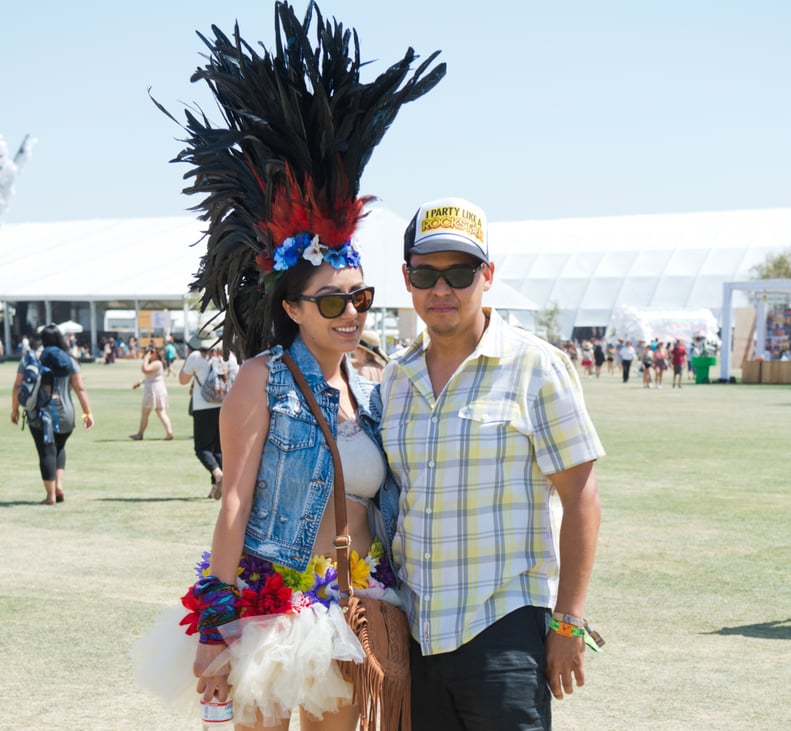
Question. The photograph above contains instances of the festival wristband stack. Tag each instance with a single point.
(570, 626)
(217, 607)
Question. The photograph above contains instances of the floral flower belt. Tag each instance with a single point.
(268, 588)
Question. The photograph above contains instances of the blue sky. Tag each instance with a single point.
(549, 109)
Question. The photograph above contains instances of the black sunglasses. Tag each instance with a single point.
(333, 305)
(459, 277)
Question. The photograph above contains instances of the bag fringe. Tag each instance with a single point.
(381, 682)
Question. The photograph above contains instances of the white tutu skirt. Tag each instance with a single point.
(277, 662)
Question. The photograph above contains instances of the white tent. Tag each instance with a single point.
(152, 259)
(587, 266)
(590, 266)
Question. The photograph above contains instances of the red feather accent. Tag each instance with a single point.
(301, 209)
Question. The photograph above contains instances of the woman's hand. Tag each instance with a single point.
(15, 416)
(211, 686)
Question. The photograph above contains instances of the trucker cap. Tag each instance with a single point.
(447, 224)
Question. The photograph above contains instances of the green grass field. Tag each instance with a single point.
(691, 590)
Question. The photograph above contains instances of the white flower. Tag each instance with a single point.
(314, 253)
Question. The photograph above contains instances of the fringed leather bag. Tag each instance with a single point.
(381, 682)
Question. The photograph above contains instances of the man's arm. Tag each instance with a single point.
(185, 374)
(579, 494)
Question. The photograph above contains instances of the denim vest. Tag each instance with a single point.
(295, 476)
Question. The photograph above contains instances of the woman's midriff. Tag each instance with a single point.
(357, 517)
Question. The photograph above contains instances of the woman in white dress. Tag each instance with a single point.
(155, 394)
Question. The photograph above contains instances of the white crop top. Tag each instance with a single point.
(362, 462)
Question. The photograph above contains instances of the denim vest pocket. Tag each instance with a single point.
(290, 427)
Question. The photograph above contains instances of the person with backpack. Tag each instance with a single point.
(42, 394)
(202, 368)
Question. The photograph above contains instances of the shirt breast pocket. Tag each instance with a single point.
(490, 413)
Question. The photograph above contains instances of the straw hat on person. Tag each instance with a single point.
(370, 342)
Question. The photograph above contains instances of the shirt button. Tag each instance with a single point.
(428, 511)
(427, 556)
(431, 463)
(434, 419)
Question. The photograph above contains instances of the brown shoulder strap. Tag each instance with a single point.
(342, 537)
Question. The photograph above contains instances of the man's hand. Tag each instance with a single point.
(565, 659)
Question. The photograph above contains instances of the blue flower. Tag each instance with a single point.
(325, 590)
(352, 256)
(344, 257)
(287, 254)
(336, 258)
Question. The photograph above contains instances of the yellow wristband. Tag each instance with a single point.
(89, 415)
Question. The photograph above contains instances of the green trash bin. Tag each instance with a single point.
(701, 364)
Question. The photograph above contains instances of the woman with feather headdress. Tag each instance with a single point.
(280, 181)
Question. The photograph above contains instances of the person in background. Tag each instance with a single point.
(598, 357)
(205, 414)
(52, 425)
(170, 355)
(368, 358)
(647, 364)
(660, 363)
(587, 357)
(627, 354)
(611, 356)
(155, 394)
(678, 357)
(486, 431)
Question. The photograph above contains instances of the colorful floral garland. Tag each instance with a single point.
(267, 588)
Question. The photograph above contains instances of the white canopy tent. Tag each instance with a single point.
(729, 289)
(587, 266)
(590, 266)
(151, 259)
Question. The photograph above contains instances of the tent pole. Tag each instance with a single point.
(6, 329)
(725, 353)
(760, 326)
(185, 305)
(137, 321)
(94, 334)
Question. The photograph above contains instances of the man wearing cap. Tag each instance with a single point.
(486, 430)
(205, 414)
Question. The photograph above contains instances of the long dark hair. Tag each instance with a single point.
(279, 328)
(51, 335)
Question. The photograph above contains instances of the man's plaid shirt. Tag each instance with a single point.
(478, 520)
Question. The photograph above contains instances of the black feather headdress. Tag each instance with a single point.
(280, 179)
